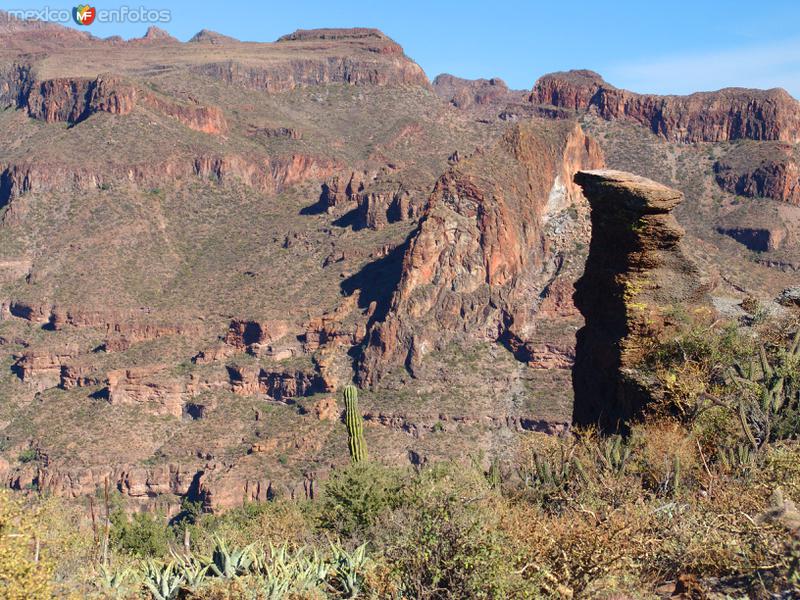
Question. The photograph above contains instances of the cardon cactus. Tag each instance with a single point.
(355, 425)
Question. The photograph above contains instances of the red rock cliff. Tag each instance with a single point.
(727, 114)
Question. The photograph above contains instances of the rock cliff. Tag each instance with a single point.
(776, 177)
(728, 114)
(468, 93)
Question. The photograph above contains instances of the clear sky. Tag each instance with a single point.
(647, 46)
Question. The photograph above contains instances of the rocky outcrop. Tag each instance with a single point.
(122, 329)
(140, 484)
(15, 81)
(222, 487)
(138, 387)
(243, 334)
(480, 250)
(727, 114)
(73, 100)
(376, 197)
(278, 384)
(758, 239)
(776, 179)
(265, 174)
(468, 93)
(43, 369)
(789, 297)
(342, 192)
(334, 328)
(206, 36)
(155, 36)
(636, 272)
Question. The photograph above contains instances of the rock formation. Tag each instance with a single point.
(636, 272)
(728, 114)
(777, 178)
(75, 100)
(467, 93)
(479, 249)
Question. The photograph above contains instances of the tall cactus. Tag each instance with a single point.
(355, 425)
(771, 384)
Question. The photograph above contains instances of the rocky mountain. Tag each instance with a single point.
(202, 242)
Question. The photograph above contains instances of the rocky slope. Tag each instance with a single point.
(480, 254)
(201, 242)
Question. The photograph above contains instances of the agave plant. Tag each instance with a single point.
(162, 580)
(114, 581)
(273, 586)
(299, 572)
(348, 569)
(311, 571)
(193, 570)
(228, 564)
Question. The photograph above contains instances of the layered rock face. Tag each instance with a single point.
(479, 249)
(724, 115)
(636, 272)
(75, 100)
(374, 59)
(776, 179)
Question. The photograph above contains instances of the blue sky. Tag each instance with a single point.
(646, 46)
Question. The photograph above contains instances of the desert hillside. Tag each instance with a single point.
(202, 242)
(554, 330)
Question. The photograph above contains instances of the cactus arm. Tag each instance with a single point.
(746, 427)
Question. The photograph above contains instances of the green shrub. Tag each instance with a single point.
(28, 455)
(443, 541)
(356, 496)
(143, 534)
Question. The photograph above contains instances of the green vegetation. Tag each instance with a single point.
(27, 455)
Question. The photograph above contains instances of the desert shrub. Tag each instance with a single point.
(23, 575)
(356, 496)
(142, 534)
(551, 471)
(732, 383)
(27, 455)
(278, 522)
(443, 541)
(667, 456)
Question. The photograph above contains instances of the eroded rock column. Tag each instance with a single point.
(637, 272)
